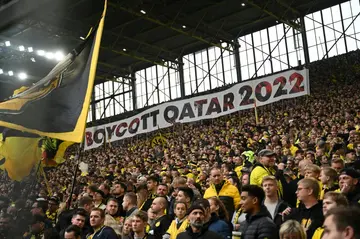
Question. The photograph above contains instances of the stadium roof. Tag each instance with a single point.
(138, 33)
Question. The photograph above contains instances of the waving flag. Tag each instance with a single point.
(57, 105)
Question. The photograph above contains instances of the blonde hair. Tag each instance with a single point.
(313, 168)
(311, 183)
(292, 228)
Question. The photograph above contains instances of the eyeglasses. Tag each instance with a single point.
(299, 189)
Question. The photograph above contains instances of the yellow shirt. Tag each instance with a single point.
(318, 233)
(174, 231)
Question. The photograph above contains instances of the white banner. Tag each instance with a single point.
(241, 96)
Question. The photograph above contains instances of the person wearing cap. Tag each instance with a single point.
(348, 182)
(99, 199)
(197, 228)
(53, 206)
(264, 167)
(224, 190)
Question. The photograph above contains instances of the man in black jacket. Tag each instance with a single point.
(348, 182)
(196, 230)
(258, 219)
(309, 214)
(97, 218)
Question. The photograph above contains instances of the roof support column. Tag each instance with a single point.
(92, 105)
(181, 76)
(237, 61)
(133, 90)
(305, 42)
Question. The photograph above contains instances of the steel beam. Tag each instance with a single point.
(237, 63)
(289, 23)
(178, 30)
(182, 79)
(305, 42)
(133, 90)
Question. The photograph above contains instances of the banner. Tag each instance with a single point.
(245, 95)
(57, 105)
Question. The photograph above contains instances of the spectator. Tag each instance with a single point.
(73, 232)
(78, 220)
(196, 216)
(162, 221)
(219, 221)
(139, 222)
(272, 202)
(328, 178)
(342, 223)
(348, 182)
(127, 228)
(227, 193)
(258, 220)
(185, 195)
(309, 215)
(130, 204)
(111, 218)
(265, 167)
(99, 199)
(292, 229)
(180, 223)
(118, 191)
(97, 219)
(331, 200)
(105, 188)
(151, 183)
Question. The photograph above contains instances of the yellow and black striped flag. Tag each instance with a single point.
(57, 105)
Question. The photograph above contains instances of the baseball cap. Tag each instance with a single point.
(350, 172)
(266, 152)
(195, 207)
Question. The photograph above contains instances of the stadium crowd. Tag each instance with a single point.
(292, 175)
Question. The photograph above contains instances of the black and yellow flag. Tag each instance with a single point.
(19, 153)
(57, 105)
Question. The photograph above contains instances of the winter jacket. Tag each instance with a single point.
(103, 233)
(309, 218)
(259, 172)
(260, 226)
(354, 197)
(228, 194)
(219, 226)
(204, 234)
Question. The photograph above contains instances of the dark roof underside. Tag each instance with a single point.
(168, 30)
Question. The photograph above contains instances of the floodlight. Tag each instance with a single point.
(22, 76)
(59, 56)
(243, 4)
(49, 55)
(30, 49)
(7, 43)
(184, 26)
(21, 48)
(1, 71)
(10, 73)
(82, 38)
(32, 59)
(41, 52)
(142, 11)
(124, 49)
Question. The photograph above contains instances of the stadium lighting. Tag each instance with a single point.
(1, 71)
(10, 73)
(243, 4)
(32, 59)
(82, 38)
(184, 26)
(41, 52)
(7, 43)
(30, 49)
(21, 48)
(22, 76)
(49, 55)
(59, 56)
(142, 11)
(124, 49)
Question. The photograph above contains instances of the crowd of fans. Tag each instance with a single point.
(292, 175)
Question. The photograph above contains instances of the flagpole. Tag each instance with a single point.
(256, 114)
(77, 157)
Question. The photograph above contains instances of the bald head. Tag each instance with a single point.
(159, 205)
